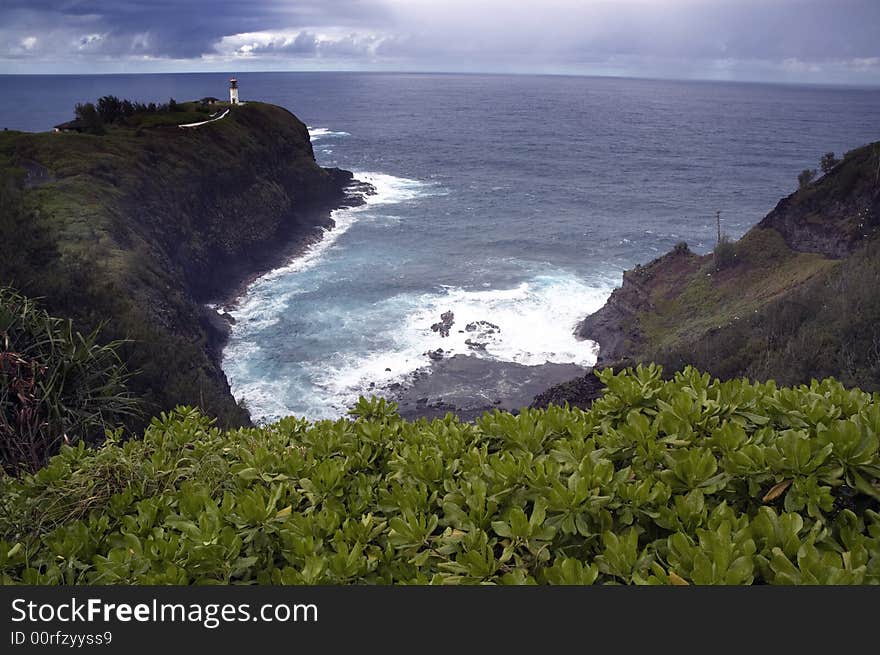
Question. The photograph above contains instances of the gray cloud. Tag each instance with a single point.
(164, 28)
(816, 40)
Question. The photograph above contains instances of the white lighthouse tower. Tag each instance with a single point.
(233, 91)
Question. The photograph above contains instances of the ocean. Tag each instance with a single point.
(515, 200)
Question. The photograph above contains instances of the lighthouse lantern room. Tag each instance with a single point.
(233, 91)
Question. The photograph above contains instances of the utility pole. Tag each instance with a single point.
(718, 225)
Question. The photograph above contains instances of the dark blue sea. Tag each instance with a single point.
(511, 199)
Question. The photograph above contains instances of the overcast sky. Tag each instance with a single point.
(822, 41)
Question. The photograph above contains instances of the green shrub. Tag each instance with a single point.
(805, 177)
(56, 385)
(690, 480)
(828, 162)
(724, 254)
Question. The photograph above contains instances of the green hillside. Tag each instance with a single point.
(794, 299)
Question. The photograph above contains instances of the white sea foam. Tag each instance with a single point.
(263, 304)
(391, 189)
(535, 325)
(535, 322)
(316, 133)
(265, 300)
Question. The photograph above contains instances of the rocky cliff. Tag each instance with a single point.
(795, 298)
(135, 229)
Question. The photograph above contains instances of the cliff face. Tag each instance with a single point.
(232, 192)
(615, 326)
(834, 216)
(797, 299)
(138, 228)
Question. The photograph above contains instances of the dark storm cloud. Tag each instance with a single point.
(170, 28)
(804, 39)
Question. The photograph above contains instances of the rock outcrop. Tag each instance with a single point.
(834, 215)
(615, 326)
(447, 319)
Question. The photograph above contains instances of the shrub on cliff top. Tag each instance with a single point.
(724, 253)
(828, 162)
(805, 177)
(690, 480)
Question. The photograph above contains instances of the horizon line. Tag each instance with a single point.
(872, 86)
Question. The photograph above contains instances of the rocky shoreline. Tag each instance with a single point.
(468, 386)
(216, 317)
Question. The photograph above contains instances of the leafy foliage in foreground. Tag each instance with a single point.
(56, 384)
(691, 480)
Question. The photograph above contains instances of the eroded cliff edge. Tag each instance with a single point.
(796, 298)
(133, 231)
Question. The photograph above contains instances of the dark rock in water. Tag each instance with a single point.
(436, 355)
(356, 191)
(226, 316)
(446, 321)
(486, 326)
(388, 370)
(395, 386)
(475, 345)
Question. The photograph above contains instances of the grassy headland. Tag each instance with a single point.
(133, 228)
(796, 298)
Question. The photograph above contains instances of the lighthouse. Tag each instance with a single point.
(233, 91)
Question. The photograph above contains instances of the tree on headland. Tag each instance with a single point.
(109, 108)
(91, 119)
(828, 162)
(724, 253)
(114, 110)
(807, 175)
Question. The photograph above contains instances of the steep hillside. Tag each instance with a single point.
(797, 299)
(138, 227)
